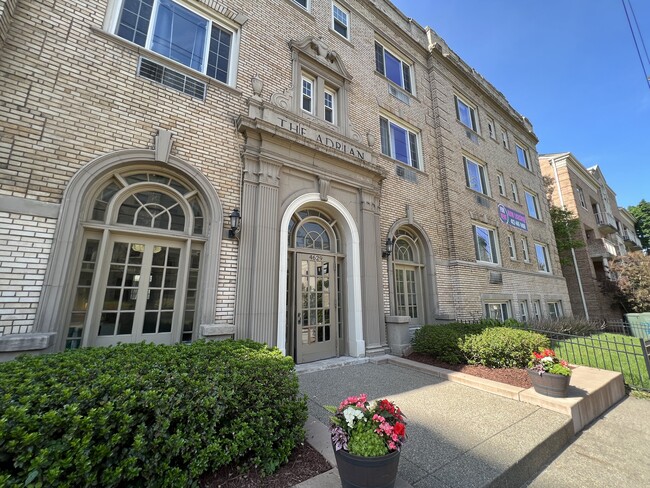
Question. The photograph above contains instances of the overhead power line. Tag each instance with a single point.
(636, 44)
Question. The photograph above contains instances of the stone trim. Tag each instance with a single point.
(28, 206)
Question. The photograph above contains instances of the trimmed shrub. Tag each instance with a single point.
(441, 341)
(502, 347)
(147, 415)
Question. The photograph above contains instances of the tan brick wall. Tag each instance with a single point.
(25, 244)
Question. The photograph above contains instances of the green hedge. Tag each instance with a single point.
(142, 414)
(502, 347)
(441, 341)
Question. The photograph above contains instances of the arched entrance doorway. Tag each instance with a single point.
(319, 247)
(138, 274)
(315, 265)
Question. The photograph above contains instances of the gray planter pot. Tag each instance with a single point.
(553, 385)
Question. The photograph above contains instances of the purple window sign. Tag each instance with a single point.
(512, 217)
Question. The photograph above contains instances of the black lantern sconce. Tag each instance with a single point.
(235, 217)
(390, 241)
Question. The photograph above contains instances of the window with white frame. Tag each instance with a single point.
(492, 130)
(400, 142)
(581, 197)
(514, 191)
(554, 310)
(340, 20)
(303, 3)
(501, 184)
(393, 67)
(175, 31)
(319, 98)
(532, 203)
(504, 139)
(498, 311)
(543, 261)
(524, 249)
(511, 245)
(522, 156)
(466, 113)
(485, 243)
(523, 310)
(329, 105)
(537, 310)
(475, 176)
(307, 94)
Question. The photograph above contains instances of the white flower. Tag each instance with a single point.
(547, 360)
(350, 414)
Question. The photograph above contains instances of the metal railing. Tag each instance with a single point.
(615, 346)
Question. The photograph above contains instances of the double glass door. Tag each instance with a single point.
(140, 295)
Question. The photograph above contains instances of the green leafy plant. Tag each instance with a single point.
(144, 414)
(441, 341)
(366, 428)
(502, 347)
(545, 361)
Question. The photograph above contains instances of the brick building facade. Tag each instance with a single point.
(133, 129)
(606, 230)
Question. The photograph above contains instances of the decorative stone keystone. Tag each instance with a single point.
(399, 339)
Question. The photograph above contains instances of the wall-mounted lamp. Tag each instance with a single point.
(235, 217)
(390, 241)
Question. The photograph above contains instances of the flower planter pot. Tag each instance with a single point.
(367, 472)
(553, 385)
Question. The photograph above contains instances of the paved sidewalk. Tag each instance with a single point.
(458, 437)
(614, 451)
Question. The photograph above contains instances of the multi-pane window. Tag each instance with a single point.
(466, 114)
(514, 191)
(497, 311)
(502, 185)
(554, 310)
(399, 143)
(523, 310)
(532, 204)
(504, 139)
(393, 67)
(492, 131)
(485, 244)
(172, 30)
(524, 249)
(511, 245)
(307, 94)
(475, 176)
(522, 156)
(329, 105)
(543, 261)
(581, 197)
(537, 310)
(341, 20)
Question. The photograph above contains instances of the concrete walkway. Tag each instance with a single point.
(614, 451)
(458, 437)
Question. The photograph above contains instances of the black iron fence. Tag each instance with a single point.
(613, 346)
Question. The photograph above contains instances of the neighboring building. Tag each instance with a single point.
(133, 129)
(606, 229)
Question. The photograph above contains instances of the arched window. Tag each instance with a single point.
(139, 271)
(407, 271)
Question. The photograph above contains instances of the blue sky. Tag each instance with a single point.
(570, 66)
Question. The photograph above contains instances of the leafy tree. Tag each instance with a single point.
(567, 232)
(641, 213)
(566, 226)
(632, 285)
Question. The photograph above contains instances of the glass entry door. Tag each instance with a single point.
(140, 294)
(315, 308)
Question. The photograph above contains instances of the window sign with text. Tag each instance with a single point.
(512, 217)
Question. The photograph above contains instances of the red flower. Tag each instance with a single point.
(399, 429)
